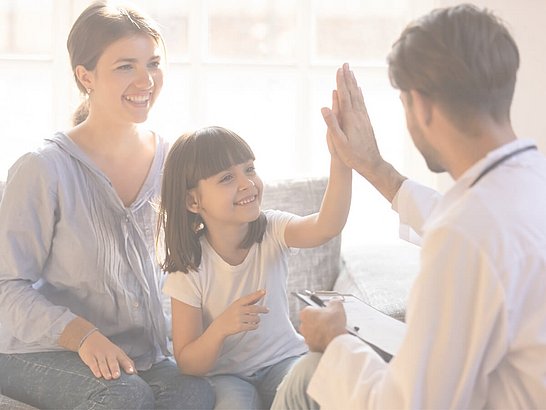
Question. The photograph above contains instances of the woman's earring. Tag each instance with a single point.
(198, 224)
(88, 90)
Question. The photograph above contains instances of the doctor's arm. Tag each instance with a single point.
(354, 140)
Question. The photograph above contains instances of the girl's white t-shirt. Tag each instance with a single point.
(217, 284)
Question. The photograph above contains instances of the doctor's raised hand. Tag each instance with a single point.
(353, 137)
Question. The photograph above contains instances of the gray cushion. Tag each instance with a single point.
(316, 268)
(381, 275)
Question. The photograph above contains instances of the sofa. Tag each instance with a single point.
(380, 275)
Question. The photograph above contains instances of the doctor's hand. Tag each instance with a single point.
(350, 128)
(104, 358)
(352, 137)
(320, 325)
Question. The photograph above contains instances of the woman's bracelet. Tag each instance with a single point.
(86, 336)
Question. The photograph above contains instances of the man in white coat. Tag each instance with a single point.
(476, 315)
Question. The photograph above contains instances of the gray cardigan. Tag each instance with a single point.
(70, 247)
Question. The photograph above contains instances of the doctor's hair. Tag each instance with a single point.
(195, 156)
(99, 25)
(462, 58)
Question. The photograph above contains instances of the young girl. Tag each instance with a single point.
(229, 264)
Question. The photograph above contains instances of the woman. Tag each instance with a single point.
(82, 322)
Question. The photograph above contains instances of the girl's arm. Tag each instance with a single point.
(315, 229)
(195, 350)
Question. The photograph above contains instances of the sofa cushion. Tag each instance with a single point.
(381, 275)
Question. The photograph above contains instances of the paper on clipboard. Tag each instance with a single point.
(364, 321)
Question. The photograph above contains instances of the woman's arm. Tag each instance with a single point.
(28, 213)
(195, 350)
(28, 216)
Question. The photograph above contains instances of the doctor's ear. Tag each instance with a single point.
(192, 202)
(422, 106)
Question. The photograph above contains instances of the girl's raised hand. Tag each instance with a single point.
(242, 315)
(329, 132)
(104, 358)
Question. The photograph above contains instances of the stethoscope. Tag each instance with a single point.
(498, 162)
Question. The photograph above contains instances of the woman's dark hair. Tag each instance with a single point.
(193, 157)
(463, 58)
(98, 26)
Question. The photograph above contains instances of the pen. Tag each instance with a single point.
(317, 300)
(320, 302)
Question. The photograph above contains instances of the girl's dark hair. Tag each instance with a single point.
(463, 58)
(98, 26)
(193, 157)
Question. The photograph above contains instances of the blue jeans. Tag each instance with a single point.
(250, 392)
(60, 380)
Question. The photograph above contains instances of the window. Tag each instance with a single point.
(260, 67)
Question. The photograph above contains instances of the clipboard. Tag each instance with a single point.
(382, 332)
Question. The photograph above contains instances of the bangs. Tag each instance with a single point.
(218, 149)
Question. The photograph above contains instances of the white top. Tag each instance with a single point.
(217, 284)
(476, 335)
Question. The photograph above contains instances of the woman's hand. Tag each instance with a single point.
(104, 358)
(242, 315)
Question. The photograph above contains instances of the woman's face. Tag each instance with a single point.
(127, 79)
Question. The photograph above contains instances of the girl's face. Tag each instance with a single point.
(230, 197)
(127, 79)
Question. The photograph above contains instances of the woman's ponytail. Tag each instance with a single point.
(81, 113)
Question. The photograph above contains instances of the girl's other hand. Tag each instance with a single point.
(242, 315)
(104, 358)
